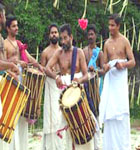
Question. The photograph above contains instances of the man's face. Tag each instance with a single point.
(13, 29)
(91, 37)
(54, 35)
(113, 27)
(2, 18)
(66, 40)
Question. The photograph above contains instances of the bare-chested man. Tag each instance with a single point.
(51, 121)
(13, 53)
(114, 106)
(63, 57)
(88, 51)
(4, 64)
(95, 60)
(11, 45)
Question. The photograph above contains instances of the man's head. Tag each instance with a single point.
(53, 34)
(114, 23)
(11, 25)
(66, 37)
(91, 34)
(2, 15)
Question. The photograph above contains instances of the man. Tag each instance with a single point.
(51, 121)
(94, 58)
(21, 57)
(114, 105)
(65, 58)
(4, 64)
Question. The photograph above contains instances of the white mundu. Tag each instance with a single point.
(114, 109)
(52, 118)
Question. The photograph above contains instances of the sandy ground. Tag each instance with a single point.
(35, 140)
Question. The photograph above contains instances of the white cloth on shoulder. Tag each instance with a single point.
(114, 98)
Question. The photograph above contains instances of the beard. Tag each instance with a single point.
(54, 40)
(90, 41)
(66, 47)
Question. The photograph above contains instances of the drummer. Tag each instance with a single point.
(16, 52)
(72, 68)
(4, 64)
(95, 60)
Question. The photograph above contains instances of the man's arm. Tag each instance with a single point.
(4, 65)
(43, 59)
(131, 60)
(51, 63)
(101, 63)
(34, 62)
(106, 66)
(83, 67)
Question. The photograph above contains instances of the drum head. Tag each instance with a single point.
(71, 96)
(34, 71)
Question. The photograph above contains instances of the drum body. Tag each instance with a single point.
(74, 105)
(13, 97)
(34, 80)
(92, 92)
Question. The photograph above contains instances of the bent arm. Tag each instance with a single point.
(4, 65)
(101, 63)
(51, 63)
(131, 60)
(43, 59)
(83, 67)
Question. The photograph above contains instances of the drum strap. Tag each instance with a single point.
(73, 66)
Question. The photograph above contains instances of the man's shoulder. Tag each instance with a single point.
(85, 48)
(123, 38)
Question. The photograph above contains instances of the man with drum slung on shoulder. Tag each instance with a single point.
(73, 67)
(5, 65)
(21, 57)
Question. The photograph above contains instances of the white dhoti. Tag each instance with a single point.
(20, 138)
(114, 109)
(89, 145)
(52, 120)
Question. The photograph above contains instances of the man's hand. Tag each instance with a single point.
(13, 75)
(76, 80)
(91, 69)
(106, 67)
(41, 68)
(59, 82)
(23, 64)
(120, 65)
(15, 69)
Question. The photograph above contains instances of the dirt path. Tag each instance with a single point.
(35, 140)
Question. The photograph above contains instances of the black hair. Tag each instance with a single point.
(66, 27)
(91, 27)
(116, 18)
(53, 25)
(9, 20)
